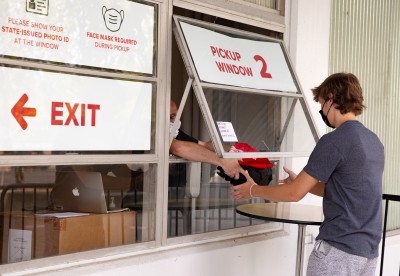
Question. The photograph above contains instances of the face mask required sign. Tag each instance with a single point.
(106, 34)
(222, 59)
(72, 113)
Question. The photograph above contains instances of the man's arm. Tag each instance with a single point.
(318, 189)
(208, 145)
(291, 191)
(195, 152)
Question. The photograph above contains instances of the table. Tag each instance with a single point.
(286, 212)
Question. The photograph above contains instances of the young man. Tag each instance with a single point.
(192, 149)
(345, 168)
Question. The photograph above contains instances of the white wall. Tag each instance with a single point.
(308, 45)
(255, 256)
(392, 256)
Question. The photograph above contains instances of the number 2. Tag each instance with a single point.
(263, 71)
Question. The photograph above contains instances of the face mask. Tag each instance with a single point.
(171, 125)
(325, 117)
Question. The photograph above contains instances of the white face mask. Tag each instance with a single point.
(171, 124)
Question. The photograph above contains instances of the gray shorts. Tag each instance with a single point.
(326, 260)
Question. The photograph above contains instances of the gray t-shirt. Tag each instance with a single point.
(350, 161)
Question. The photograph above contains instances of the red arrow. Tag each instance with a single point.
(19, 111)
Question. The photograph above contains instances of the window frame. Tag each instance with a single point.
(198, 86)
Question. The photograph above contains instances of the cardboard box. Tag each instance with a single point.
(27, 236)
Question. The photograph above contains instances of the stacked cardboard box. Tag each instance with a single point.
(28, 236)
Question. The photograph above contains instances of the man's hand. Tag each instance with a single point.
(242, 192)
(288, 179)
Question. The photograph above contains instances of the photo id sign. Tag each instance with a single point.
(106, 34)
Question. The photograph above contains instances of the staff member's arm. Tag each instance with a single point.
(195, 152)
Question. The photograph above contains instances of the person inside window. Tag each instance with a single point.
(187, 147)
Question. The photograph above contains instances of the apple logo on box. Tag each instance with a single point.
(75, 191)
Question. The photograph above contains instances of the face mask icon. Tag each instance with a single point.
(112, 18)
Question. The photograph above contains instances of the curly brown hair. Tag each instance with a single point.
(345, 91)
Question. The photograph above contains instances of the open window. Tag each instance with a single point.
(231, 86)
(246, 89)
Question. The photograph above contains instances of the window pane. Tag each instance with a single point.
(54, 210)
(108, 113)
(199, 200)
(259, 120)
(88, 34)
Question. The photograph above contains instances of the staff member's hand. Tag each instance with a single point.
(231, 167)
